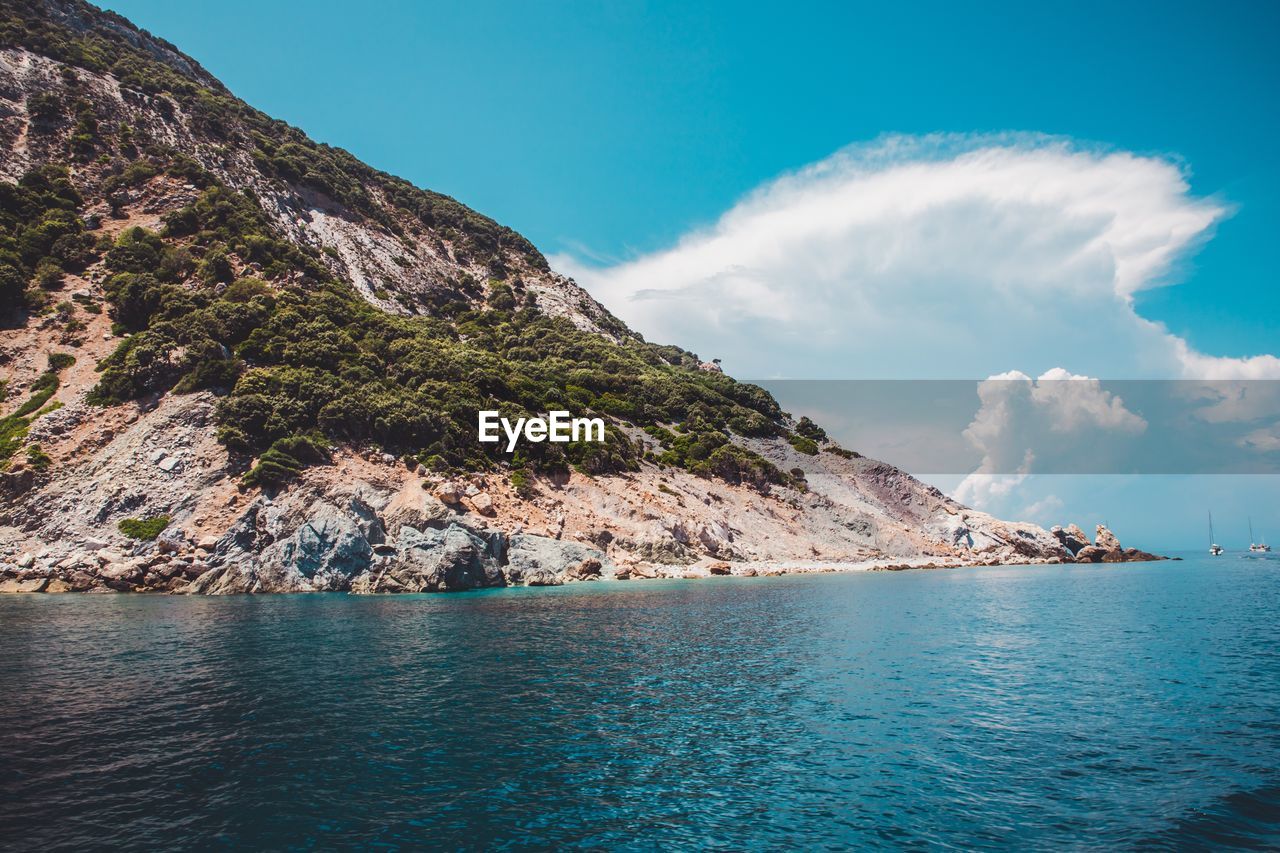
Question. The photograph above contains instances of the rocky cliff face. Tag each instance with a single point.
(72, 95)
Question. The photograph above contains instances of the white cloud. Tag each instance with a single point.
(933, 257)
(1061, 419)
(1263, 440)
(954, 257)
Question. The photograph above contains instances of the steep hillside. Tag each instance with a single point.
(238, 360)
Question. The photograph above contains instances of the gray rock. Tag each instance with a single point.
(324, 552)
(540, 561)
(428, 512)
(367, 519)
(170, 541)
(433, 561)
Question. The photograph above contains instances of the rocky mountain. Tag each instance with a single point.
(237, 360)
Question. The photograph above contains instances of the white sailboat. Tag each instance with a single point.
(1255, 547)
(1214, 548)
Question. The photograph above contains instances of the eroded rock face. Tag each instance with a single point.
(433, 561)
(542, 561)
(324, 552)
(1071, 537)
(1106, 540)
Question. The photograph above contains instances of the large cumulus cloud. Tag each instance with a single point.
(934, 257)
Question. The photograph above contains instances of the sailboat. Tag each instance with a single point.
(1214, 548)
(1255, 547)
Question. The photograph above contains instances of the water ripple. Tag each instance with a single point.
(1131, 706)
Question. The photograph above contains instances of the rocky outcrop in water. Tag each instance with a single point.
(1105, 548)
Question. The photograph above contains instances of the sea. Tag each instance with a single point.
(1042, 707)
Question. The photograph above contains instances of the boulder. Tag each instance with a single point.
(75, 560)
(171, 541)
(125, 572)
(449, 493)
(539, 560)
(719, 568)
(1090, 554)
(588, 570)
(81, 581)
(483, 504)
(23, 584)
(1106, 540)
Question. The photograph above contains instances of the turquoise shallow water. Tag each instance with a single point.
(1119, 706)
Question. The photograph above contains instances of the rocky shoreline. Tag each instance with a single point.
(332, 553)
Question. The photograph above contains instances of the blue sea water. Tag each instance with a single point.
(1029, 707)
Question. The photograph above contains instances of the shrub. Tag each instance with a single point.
(285, 459)
(810, 430)
(804, 445)
(49, 274)
(145, 529)
(37, 458)
(59, 361)
(522, 483)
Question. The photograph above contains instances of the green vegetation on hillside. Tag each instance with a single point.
(303, 360)
(219, 300)
(104, 42)
(14, 426)
(41, 237)
(144, 528)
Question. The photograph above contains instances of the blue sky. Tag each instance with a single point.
(644, 146)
